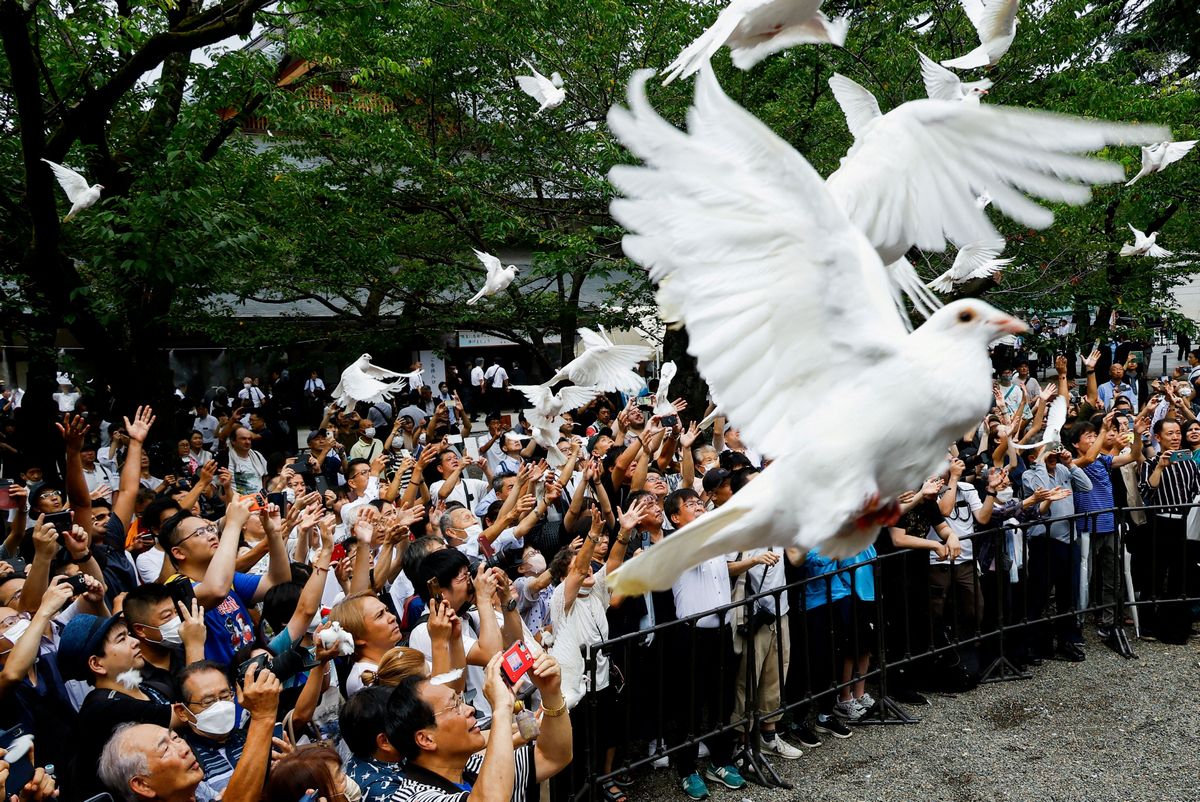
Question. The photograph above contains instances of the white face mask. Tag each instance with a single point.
(129, 680)
(353, 791)
(536, 564)
(1004, 496)
(13, 633)
(473, 532)
(369, 432)
(218, 719)
(169, 632)
(247, 385)
(397, 442)
(290, 495)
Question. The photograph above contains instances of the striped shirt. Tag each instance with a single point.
(1100, 497)
(1178, 485)
(421, 785)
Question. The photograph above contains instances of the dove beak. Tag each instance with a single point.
(1011, 325)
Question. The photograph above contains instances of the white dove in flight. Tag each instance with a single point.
(76, 187)
(996, 24)
(983, 201)
(1056, 419)
(790, 320)
(942, 84)
(546, 418)
(1144, 245)
(363, 381)
(498, 276)
(546, 91)
(604, 365)
(977, 260)
(754, 29)
(662, 399)
(913, 175)
(1155, 158)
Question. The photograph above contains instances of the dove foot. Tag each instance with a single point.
(877, 513)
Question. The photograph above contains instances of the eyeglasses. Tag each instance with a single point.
(12, 620)
(211, 529)
(695, 504)
(50, 494)
(459, 703)
(463, 577)
(209, 701)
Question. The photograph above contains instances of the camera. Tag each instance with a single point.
(516, 663)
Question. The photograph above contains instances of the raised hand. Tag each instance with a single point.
(1092, 359)
(72, 429)
(1060, 365)
(689, 436)
(139, 428)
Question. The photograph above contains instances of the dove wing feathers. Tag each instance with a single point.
(940, 83)
(997, 20)
(73, 184)
(1177, 150)
(492, 263)
(859, 105)
(913, 177)
(779, 292)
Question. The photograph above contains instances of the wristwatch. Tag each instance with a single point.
(510, 605)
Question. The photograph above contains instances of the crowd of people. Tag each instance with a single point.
(194, 604)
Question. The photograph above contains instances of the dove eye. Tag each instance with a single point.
(966, 316)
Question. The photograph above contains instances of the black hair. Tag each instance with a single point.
(417, 551)
(139, 601)
(407, 714)
(1160, 423)
(740, 479)
(493, 510)
(279, 604)
(199, 667)
(166, 532)
(561, 564)
(362, 719)
(352, 464)
(1075, 433)
(445, 565)
(152, 514)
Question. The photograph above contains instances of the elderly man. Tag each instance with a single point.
(1117, 386)
(148, 762)
(435, 730)
(247, 465)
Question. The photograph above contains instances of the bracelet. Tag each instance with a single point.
(86, 556)
(595, 539)
(555, 712)
(624, 541)
(320, 567)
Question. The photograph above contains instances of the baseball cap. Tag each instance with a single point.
(715, 478)
(81, 638)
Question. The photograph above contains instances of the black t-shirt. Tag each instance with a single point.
(164, 681)
(119, 574)
(102, 712)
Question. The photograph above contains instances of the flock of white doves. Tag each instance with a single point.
(792, 286)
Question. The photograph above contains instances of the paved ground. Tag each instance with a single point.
(1105, 729)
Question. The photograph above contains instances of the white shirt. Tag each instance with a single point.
(761, 578)
(254, 395)
(247, 471)
(207, 426)
(66, 401)
(478, 488)
(498, 375)
(100, 475)
(476, 376)
(704, 587)
(350, 508)
(354, 682)
(314, 386)
(585, 623)
(419, 640)
(149, 564)
(962, 521)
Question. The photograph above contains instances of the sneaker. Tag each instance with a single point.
(804, 735)
(832, 725)
(778, 746)
(654, 748)
(848, 709)
(694, 787)
(1070, 653)
(1105, 632)
(727, 776)
(866, 701)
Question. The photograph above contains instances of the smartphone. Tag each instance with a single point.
(1139, 357)
(181, 591)
(1181, 455)
(454, 439)
(258, 501)
(516, 663)
(61, 522)
(279, 500)
(669, 421)
(435, 589)
(7, 502)
(261, 661)
(471, 447)
(78, 584)
(19, 758)
(339, 553)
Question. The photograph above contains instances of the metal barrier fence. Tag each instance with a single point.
(1019, 593)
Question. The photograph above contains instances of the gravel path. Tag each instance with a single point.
(1104, 729)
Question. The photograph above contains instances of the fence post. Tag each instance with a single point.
(1002, 669)
(1119, 641)
(886, 710)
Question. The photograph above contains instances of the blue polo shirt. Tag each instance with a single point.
(1100, 497)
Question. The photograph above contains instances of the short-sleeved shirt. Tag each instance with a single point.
(376, 779)
(823, 591)
(230, 626)
(102, 712)
(586, 623)
(247, 471)
(962, 520)
(421, 785)
(861, 579)
(1100, 497)
(218, 759)
(466, 491)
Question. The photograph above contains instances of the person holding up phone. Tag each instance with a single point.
(436, 731)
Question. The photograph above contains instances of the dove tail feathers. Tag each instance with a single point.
(976, 58)
(658, 567)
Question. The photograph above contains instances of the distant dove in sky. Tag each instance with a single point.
(977, 260)
(942, 84)
(76, 187)
(913, 175)
(754, 29)
(498, 276)
(1144, 245)
(996, 24)
(1155, 158)
(363, 381)
(546, 415)
(604, 365)
(790, 320)
(546, 91)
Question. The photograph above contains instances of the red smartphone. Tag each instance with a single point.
(258, 501)
(516, 662)
(339, 553)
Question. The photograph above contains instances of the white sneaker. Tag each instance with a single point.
(866, 702)
(662, 762)
(848, 709)
(779, 747)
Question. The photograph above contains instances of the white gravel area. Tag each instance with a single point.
(1104, 729)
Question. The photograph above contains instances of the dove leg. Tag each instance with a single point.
(875, 513)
